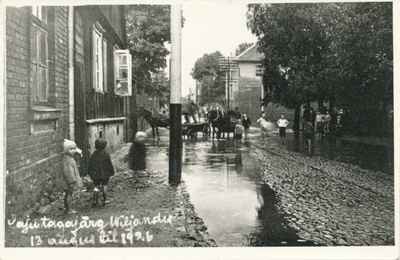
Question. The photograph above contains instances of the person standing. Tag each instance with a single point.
(309, 135)
(69, 179)
(137, 153)
(238, 115)
(246, 124)
(312, 116)
(319, 124)
(327, 122)
(100, 170)
(282, 124)
(264, 123)
(239, 129)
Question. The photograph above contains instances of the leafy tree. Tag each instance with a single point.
(148, 29)
(206, 66)
(161, 87)
(294, 45)
(242, 47)
(338, 52)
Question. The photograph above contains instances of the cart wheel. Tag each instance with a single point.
(192, 134)
(206, 130)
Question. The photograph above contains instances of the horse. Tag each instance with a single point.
(221, 122)
(154, 121)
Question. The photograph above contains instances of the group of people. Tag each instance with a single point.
(100, 169)
(325, 122)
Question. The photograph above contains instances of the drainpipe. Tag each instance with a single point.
(71, 114)
(3, 106)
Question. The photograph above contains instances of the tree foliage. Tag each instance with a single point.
(242, 47)
(208, 65)
(148, 30)
(339, 52)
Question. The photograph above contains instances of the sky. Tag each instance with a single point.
(211, 27)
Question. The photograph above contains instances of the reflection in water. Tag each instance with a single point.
(367, 156)
(223, 181)
(274, 229)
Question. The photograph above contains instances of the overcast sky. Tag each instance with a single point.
(211, 27)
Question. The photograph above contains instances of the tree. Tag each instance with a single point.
(148, 29)
(206, 66)
(293, 44)
(242, 47)
(338, 52)
(161, 87)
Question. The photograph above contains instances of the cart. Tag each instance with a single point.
(190, 130)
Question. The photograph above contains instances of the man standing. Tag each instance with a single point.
(282, 124)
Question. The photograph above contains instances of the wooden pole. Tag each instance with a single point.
(175, 140)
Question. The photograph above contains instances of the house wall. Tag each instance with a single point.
(248, 101)
(34, 134)
(248, 70)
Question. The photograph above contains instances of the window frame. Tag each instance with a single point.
(99, 59)
(117, 77)
(40, 28)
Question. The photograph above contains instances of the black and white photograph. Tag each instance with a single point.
(199, 130)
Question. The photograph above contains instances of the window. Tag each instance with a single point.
(39, 48)
(123, 72)
(40, 12)
(99, 59)
(259, 70)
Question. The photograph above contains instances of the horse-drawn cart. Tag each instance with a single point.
(190, 130)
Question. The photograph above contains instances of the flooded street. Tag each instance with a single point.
(224, 182)
(238, 207)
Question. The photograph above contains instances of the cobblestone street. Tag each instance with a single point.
(329, 202)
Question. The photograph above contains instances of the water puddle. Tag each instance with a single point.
(367, 156)
(223, 181)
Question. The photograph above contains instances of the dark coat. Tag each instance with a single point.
(246, 123)
(100, 166)
(137, 156)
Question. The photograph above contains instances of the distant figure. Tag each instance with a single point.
(239, 129)
(264, 123)
(100, 170)
(282, 124)
(189, 108)
(312, 116)
(339, 129)
(319, 124)
(327, 122)
(69, 179)
(238, 115)
(309, 135)
(246, 124)
(137, 153)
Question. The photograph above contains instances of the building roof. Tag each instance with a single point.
(251, 54)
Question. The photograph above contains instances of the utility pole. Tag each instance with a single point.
(175, 107)
(228, 64)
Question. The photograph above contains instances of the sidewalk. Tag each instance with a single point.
(146, 212)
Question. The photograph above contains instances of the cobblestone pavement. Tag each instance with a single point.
(329, 202)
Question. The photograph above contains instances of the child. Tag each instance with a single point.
(100, 170)
(246, 124)
(238, 130)
(282, 124)
(137, 153)
(70, 179)
(264, 122)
